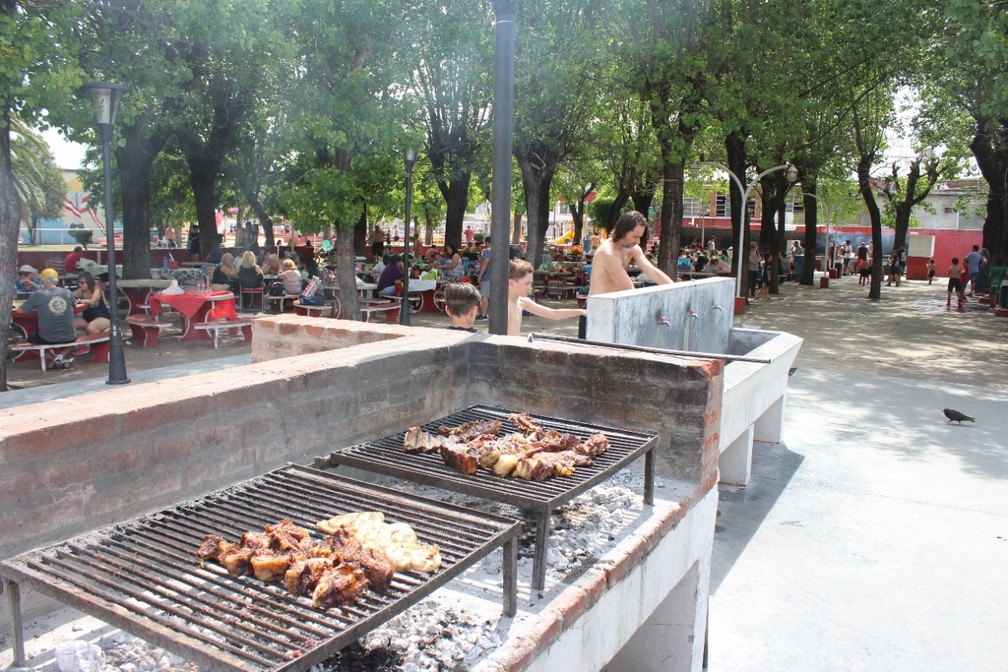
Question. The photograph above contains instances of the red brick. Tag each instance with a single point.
(62, 434)
(571, 603)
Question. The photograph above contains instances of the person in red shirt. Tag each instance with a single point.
(71, 260)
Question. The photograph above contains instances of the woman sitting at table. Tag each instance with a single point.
(250, 276)
(225, 275)
(96, 317)
(453, 268)
(290, 277)
(271, 265)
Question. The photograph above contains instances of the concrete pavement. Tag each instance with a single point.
(875, 536)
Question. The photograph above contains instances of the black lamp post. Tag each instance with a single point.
(105, 98)
(503, 142)
(409, 157)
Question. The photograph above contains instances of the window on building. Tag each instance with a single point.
(721, 205)
(691, 206)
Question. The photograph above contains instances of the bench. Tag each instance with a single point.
(147, 328)
(369, 307)
(216, 326)
(99, 344)
(327, 309)
(280, 298)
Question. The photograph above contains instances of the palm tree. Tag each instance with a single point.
(38, 182)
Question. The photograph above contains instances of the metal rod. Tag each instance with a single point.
(510, 551)
(542, 539)
(643, 348)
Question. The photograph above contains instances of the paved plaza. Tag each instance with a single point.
(875, 537)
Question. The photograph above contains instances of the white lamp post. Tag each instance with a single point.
(105, 97)
(792, 175)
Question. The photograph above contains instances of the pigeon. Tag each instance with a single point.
(956, 416)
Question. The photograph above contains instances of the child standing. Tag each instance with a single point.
(461, 303)
(519, 286)
(931, 270)
(955, 284)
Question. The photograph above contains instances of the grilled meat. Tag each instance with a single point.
(286, 536)
(459, 459)
(471, 430)
(595, 445)
(256, 541)
(541, 466)
(397, 543)
(269, 566)
(418, 441)
(525, 423)
(303, 575)
(340, 584)
(347, 548)
(213, 546)
(237, 560)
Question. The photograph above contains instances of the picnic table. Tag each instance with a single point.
(196, 307)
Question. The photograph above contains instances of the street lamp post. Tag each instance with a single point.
(792, 175)
(105, 97)
(503, 142)
(409, 157)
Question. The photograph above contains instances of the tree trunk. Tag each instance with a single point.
(456, 195)
(809, 186)
(642, 200)
(536, 181)
(671, 214)
(864, 186)
(516, 228)
(991, 154)
(360, 234)
(134, 161)
(10, 229)
(346, 277)
(735, 147)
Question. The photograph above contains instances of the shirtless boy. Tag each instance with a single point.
(519, 286)
(617, 253)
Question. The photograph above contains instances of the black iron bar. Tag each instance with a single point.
(646, 348)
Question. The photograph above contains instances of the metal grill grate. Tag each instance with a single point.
(142, 575)
(536, 498)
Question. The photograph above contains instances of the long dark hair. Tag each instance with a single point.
(85, 278)
(454, 250)
(627, 222)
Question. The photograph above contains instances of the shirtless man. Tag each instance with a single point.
(615, 254)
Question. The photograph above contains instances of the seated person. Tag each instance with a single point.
(250, 276)
(379, 266)
(720, 266)
(54, 307)
(25, 282)
(519, 288)
(271, 265)
(462, 303)
(71, 260)
(390, 275)
(432, 256)
(290, 276)
(225, 275)
(96, 317)
(452, 267)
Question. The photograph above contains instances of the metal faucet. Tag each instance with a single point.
(692, 315)
(663, 321)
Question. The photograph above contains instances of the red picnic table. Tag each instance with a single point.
(196, 307)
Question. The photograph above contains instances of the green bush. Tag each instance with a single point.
(82, 236)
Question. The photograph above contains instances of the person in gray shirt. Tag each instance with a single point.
(54, 307)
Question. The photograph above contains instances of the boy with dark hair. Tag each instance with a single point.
(461, 303)
(519, 286)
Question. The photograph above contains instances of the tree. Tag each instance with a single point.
(39, 182)
(449, 61)
(39, 68)
(557, 56)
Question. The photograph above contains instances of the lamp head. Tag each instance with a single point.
(409, 157)
(105, 97)
(791, 173)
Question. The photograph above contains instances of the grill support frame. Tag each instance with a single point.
(146, 621)
(538, 509)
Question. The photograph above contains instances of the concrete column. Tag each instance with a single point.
(769, 427)
(735, 462)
